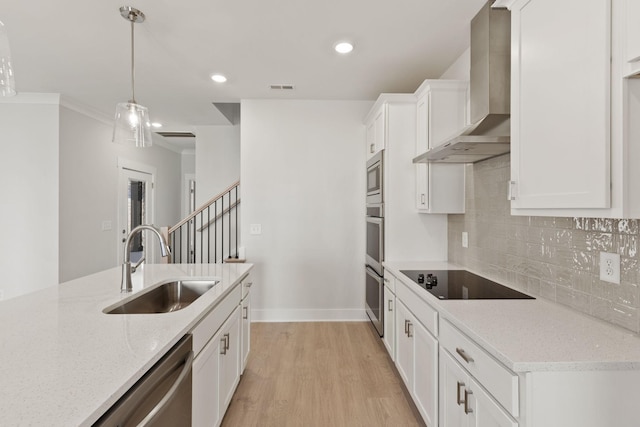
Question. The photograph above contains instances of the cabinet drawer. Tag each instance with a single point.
(498, 380)
(247, 282)
(208, 326)
(390, 281)
(420, 309)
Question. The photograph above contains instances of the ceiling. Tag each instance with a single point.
(82, 50)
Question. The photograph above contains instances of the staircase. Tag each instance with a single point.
(210, 233)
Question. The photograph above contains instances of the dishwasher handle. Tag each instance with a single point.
(153, 414)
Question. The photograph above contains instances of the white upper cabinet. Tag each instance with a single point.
(632, 37)
(441, 110)
(376, 130)
(574, 132)
(560, 88)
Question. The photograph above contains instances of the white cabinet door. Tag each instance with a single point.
(560, 123)
(229, 359)
(453, 383)
(388, 337)
(425, 381)
(246, 331)
(206, 396)
(440, 112)
(376, 131)
(404, 344)
(464, 402)
(484, 411)
(417, 362)
(633, 34)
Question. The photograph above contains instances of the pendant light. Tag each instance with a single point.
(132, 125)
(7, 84)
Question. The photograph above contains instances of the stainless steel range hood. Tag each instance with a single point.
(490, 93)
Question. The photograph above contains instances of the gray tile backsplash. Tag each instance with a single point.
(552, 258)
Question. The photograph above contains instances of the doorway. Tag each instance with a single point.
(135, 207)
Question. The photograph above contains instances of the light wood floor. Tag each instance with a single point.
(319, 374)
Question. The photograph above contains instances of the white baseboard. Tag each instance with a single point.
(309, 315)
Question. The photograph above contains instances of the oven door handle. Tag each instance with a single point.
(157, 410)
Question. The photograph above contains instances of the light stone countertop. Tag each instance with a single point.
(64, 362)
(532, 335)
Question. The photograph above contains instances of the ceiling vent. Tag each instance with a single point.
(176, 134)
(282, 87)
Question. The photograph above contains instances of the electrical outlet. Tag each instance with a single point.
(465, 239)
(610, 267)
(255, 229)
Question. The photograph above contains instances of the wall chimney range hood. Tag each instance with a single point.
(490, 94)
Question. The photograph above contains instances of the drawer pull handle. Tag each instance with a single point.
(406, 327)
(228, 340)
(223, 345)
(467, 410)
(390, 306)
(409, 330)
(464, 355)
(246, 313)
(458, 399)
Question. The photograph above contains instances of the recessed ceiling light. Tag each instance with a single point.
(218, 78)
(156, 125)
(343, 47)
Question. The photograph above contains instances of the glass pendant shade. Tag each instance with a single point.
(7, 83)
(132, 125)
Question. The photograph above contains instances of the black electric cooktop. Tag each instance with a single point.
(461, 284)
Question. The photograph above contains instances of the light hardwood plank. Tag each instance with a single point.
(319, 374)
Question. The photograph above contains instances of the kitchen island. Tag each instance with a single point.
(65, 362)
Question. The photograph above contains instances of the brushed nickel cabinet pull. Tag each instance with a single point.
(460, 401)
(467, 410)
(406, 326)
(464, 355)
(390, 306)
(511, 193)
(223, 342)
(409, 331)
(246, 313)
(227, 340)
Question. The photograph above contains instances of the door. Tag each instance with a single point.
(135, 207)
(560, 122)
(453, 383)
(404, 344)
(425, 376)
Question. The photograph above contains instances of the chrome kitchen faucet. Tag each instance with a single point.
(126, 285)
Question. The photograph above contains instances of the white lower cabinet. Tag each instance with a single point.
(389, 322)
(216, 373)
(246, 330)
(465, 403)
(221, 347)
(229, 359)
(417, 362)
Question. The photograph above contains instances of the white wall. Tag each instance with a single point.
(460, 68)
(303, 180)
(89, 192)
(217, 160)
(29, 193)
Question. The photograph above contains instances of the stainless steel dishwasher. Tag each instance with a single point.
(162, 397)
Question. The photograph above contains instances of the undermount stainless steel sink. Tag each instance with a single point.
(165, 298)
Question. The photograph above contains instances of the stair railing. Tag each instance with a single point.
(210, 233)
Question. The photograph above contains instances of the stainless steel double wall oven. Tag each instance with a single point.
(375, 242)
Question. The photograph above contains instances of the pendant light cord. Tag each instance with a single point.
(133, 70)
